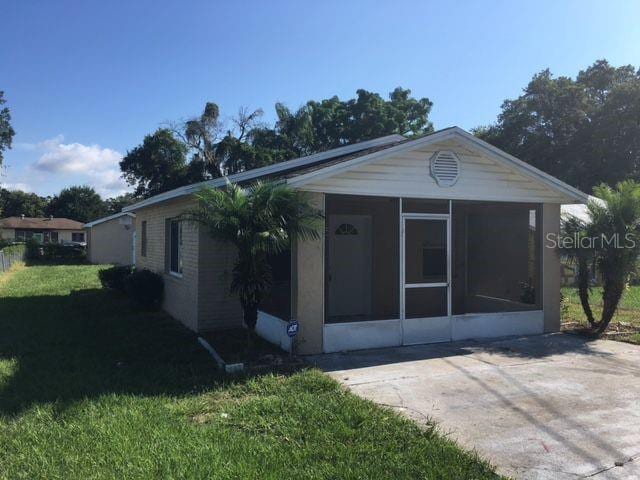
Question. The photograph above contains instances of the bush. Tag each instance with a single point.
(114, 277)
(145, 288)
(57, 251)
(33, 249)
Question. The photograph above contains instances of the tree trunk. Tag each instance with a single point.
(612, 292)
(250, 314)
(584, 288)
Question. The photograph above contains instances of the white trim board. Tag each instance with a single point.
(274, 330)
(339, 337)
(106, 219)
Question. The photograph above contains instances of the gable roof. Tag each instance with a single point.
(110, 217)
(300, 178)
(40, 223)
(300, 171)
(270, 171)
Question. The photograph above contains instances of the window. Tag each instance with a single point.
(143, 239)
(20, 235)
(54, 237)
(175, 246)
(346, 229)
(77, 237)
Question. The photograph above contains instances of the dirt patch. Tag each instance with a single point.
(233, 347)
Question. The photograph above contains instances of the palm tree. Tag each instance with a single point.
(612, 242)
(259, 220)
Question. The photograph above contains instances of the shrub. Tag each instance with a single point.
(33, 249)
(114, 277)
(145, 288)
(57, 251)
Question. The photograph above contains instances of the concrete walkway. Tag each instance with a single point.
(541, 407)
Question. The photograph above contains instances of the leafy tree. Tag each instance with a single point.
(259, 220)
(331, 123)
(6, 131)
(116, 204)
(583, 131)
(79, 203)
(217, 149)
(158, 165)
(612, 240)
(14, 203)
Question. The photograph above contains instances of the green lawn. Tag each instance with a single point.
(91, 389)
(626, 318)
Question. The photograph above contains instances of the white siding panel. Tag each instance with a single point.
(407, 174)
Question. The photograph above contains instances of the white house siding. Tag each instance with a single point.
(66, 235)
(7, 234)
(407, 174)
(110, 242)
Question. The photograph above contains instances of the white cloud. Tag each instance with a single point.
(82, 164)
(75, 157)
(25, 187)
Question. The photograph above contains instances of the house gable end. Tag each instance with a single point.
(406, 171)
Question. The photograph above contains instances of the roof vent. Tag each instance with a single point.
(445, 168)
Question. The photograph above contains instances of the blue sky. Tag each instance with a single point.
(86, 80)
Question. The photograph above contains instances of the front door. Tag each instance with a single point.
(425, 279)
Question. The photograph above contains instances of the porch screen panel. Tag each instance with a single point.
(277, 301)
(362, 258)
(496, 257)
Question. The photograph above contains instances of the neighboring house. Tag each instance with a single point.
(568, 267)
(432, 239)
(44, 230)
(112, 239)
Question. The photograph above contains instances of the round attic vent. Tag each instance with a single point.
(445, 168)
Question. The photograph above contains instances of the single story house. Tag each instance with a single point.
(45, 229)
(432, 239)
(112, 239)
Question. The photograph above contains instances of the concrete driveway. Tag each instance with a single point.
(549, 406)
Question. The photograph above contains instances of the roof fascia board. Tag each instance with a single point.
(106, 219)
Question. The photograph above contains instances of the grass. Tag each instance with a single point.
(625, 325)
(90, 388)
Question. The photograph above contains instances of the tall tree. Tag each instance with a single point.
(79, 203)
(14, 203)
(6, 131)
(219, 148)
(584, 130)
(158, 165)
(116, 204)
(331, 123)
